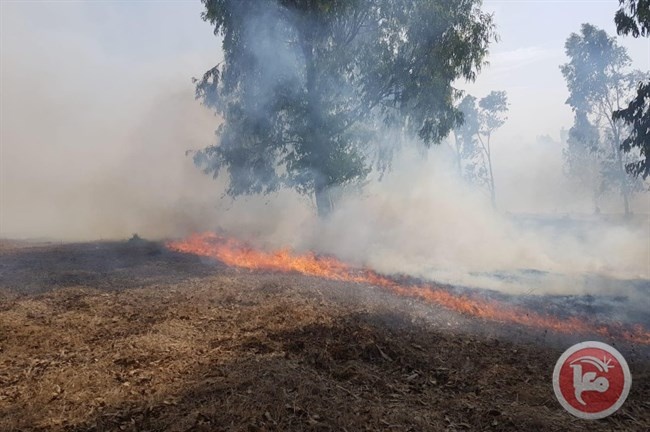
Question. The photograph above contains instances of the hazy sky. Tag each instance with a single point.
(92, 89)
(524, 62)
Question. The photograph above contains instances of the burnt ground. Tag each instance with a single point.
(130, 336)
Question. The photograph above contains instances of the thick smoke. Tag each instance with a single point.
(421, 220)
(92, 144)
(93, 149)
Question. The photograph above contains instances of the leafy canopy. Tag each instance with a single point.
(473, 137)
(634, 18)
(594, 68)
(599, 81)
(306, 86)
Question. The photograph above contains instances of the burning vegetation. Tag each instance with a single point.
(404, 232)
(133, 336)
(238, 254)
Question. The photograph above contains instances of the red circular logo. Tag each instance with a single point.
(591, 380)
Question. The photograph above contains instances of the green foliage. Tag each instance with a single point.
(473, 137)
(493, 107)
(599, 81)
(595, 66)
(637, 116)
(306, 85)
(582, 156)
(634, 18)
(466, 135)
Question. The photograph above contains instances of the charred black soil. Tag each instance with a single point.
(130, 336)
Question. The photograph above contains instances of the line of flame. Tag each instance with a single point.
(233, 252)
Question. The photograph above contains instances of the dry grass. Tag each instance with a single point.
(232, 350)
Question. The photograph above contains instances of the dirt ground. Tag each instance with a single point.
(131, 337)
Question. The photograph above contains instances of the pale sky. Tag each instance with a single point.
(78, 77)
(524, 63)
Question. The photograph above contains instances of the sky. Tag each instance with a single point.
(102, 90)
(525, 62)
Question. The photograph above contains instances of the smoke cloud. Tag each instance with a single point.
(96, 149)
(93, 143)
(422, 220)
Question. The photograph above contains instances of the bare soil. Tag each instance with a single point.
(132, 337)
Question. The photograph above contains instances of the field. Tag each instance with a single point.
(133, 337)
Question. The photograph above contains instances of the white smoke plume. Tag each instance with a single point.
(96, 149)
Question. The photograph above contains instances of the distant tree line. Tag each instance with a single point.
(308, 89)
(600, 82)
(473, 138)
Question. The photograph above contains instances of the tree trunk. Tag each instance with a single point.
(623, 174)
(489, 160)
(315, 137)
(460, 170)
(324, 202)
(624, 189)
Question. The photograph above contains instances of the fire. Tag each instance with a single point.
(235, 253)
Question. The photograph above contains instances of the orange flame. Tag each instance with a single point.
(235, 253)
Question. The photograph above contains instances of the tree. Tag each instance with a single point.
(306, 85)
(466, 144)
(493, 108)
(599, 81)
(582, 157)
(634, 18)
(473, 137)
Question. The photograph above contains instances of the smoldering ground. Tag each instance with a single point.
(95, 148)
(422, 220)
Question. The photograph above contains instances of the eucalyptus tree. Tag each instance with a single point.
(600, 82)
(306, 86)
(633, 18)
(473, 138)
(583, 158)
